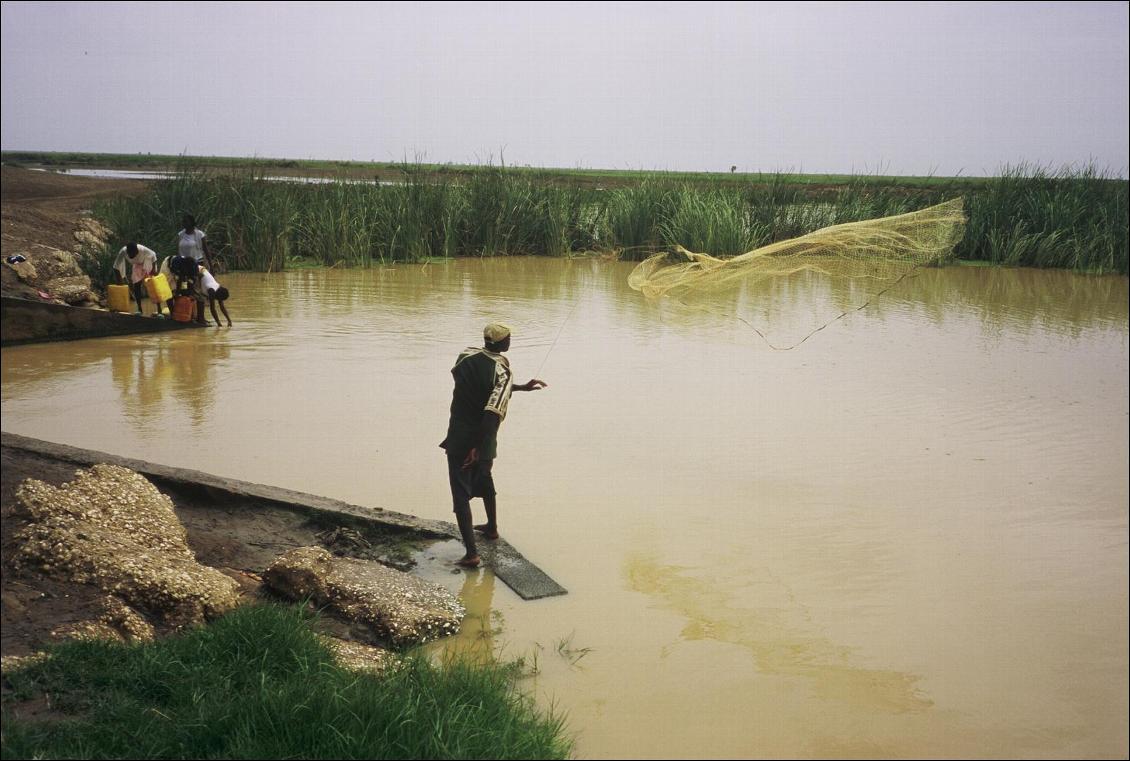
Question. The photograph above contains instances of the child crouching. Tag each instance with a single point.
(215, 293)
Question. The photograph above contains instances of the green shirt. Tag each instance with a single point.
(483, 382)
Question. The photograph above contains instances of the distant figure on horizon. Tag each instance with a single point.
(133, 264)
(483, 383)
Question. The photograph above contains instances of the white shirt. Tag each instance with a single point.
(143, 264)
(207, 282)
(191, 244)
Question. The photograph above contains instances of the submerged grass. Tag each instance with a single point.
(259, 684)
(1073, 218)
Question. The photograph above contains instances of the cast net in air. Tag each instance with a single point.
(882, 250)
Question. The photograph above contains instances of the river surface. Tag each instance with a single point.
(133, 174)
(906, 537)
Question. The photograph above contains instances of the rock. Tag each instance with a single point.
(342, 540)
(359, 657)
(112, 528)
(12, 605)
(24, 270)
(90, 235)
(86, 630)
(394, 606)
(118, 623)
(72, 290)
(51, 263)
(54, 271)
(12, 285)
(129, 622)
(17, 662)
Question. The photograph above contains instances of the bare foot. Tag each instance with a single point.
(486, 530)
(468, 561)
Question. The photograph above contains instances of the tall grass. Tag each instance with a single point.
(1074, 218)
(634, 216)
(715, 221)
(1069, 218)
(259, 684)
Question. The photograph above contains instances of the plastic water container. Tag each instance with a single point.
(118, 298)
(158, 288)
(183, 307)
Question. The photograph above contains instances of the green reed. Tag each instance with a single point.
(1073, 218)
(717, 222)
(1036, 217)
(634, 216)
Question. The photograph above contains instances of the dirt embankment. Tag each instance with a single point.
(46, 208)
(240, 537)
(46, 219)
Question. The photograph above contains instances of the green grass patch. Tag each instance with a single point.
(258, 683)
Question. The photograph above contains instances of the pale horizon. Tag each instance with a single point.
(907, 89)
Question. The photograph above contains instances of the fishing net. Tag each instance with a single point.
(883, 249)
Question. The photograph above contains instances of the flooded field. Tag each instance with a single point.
(133, 174)
(906, 537)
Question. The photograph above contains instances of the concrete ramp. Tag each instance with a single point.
(527, 580)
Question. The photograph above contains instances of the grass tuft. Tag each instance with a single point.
(258, 683)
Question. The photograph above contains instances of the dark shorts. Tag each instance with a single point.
(475, 481)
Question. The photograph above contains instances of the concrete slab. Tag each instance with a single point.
(527, 580)
(24, 322)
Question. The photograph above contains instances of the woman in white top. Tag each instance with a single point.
(133, 264)
(193, 243)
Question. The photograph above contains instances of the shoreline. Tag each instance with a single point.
(235, 526)
(393, 170)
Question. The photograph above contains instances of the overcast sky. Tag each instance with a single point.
(901, 88)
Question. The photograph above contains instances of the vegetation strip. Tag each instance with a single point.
(1072, 219)
(259, 683)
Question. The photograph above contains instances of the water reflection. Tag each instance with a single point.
(481, 623)
(154, 381)
(1019, 299)
(790, 307)
(779, 634)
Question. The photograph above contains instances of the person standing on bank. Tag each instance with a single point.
(483, 382)
(192, 243)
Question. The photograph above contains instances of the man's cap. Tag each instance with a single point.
(496, 332)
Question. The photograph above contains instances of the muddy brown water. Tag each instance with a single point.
(905, 538)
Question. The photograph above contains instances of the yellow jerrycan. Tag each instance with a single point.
(118, 298)
(158, 288)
